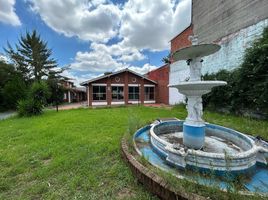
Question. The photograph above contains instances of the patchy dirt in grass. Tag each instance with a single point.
(47, 161)
(125, 193)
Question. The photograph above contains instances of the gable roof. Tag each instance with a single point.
(115, 73)
(181, 32)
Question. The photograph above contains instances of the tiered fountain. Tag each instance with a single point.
(194, 143)
(194, 126)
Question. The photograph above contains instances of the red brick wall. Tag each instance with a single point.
(181, 40)
(161, 76)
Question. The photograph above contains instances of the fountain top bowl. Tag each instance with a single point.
(195, 88)
(195, 51)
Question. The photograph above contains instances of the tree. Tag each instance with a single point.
(247, 89)
(14, 90)
(56, 89)
(12, 86)
(253, 79)
(166, 59)
(32, 57)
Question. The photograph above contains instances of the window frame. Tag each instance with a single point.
(99, 93)
(146, 94)
(117, 93)
(134, 93)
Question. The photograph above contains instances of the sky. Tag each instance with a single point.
(95, 36)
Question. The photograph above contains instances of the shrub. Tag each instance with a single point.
(36, 100)
(29, 107)
(39, 91)
(247, 89)
(14, 90)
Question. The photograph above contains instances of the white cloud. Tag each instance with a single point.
(142, 70)
(140, 24)
(94, 21)
(77, 79)
(95, 61)
(136, 24)
(102, 58)
(123, 53)
(7, 13)
(4, 58)
(151, 24)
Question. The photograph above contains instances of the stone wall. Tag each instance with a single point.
(233, 48)
(234, 26)
(214, 19)
(179, 71)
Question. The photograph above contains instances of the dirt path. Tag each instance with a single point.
(5, 115)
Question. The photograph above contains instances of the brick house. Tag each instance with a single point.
(179, 71)
(120, 88)
(161, 76)
(73, 93)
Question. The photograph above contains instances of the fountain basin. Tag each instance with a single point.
(224, 150)
(197, 88)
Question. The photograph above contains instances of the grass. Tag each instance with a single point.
(75, 154)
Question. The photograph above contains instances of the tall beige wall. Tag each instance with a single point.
(214, 19)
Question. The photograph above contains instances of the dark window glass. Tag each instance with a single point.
(95, 89)
(133, 93)
(99, 93)
(117, 92)
(149, 93)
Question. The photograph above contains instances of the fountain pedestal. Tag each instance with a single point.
(194, 126)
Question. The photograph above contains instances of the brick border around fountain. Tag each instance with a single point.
(153, 182)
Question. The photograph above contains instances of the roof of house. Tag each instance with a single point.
(165, 65)
(180, 32)
(114, 73)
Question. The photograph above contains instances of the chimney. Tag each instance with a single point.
(107, 73)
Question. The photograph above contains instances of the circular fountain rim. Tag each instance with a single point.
(247, 153)
(195, 51)
(179, 175)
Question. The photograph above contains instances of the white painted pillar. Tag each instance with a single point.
(69, 97)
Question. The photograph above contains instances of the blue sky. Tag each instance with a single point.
(94, 36)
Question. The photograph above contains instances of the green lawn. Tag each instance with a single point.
(75, 154)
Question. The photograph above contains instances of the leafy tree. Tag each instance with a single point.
(12, 86)
(14, 90)
(32, 57)
(6, 72)
(247, 88)
(56, 89)
(166, 59)
(253, 78)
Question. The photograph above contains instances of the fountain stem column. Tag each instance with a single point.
(194, 126)
(195, 65)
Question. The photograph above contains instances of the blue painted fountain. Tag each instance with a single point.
(195, 144)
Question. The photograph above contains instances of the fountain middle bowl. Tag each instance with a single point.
(197, 87)
(224, 150)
